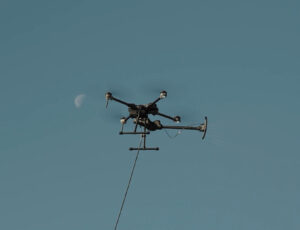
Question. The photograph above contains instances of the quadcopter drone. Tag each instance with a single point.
(139, 114)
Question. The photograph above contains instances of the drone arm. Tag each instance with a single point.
(121, 102)
(108, 96)
(166, 116)
(201, 128)
(162, 95)
(154, 102)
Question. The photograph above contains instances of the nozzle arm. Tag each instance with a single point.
(201, 128)
(182, 127)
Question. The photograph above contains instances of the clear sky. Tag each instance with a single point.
(66, 168)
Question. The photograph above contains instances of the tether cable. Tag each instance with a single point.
(128, 185)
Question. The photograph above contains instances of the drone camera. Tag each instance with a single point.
(158, 124)
(163, 94)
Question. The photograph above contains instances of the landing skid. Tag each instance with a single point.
(155, 148)
(143, 134)
(121, 133)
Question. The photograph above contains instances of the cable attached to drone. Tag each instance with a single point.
(174, 136)
(128, 185)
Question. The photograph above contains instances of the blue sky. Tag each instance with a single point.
(66, 168)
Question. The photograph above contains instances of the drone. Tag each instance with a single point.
(140, 115)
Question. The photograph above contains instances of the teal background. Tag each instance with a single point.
(66, 168)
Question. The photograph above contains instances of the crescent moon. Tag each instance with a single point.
(79, 99)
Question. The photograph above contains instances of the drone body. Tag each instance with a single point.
(139, 114)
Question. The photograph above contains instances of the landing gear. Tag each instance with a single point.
(143, 136)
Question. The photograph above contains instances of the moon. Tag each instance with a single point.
(79, 99)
